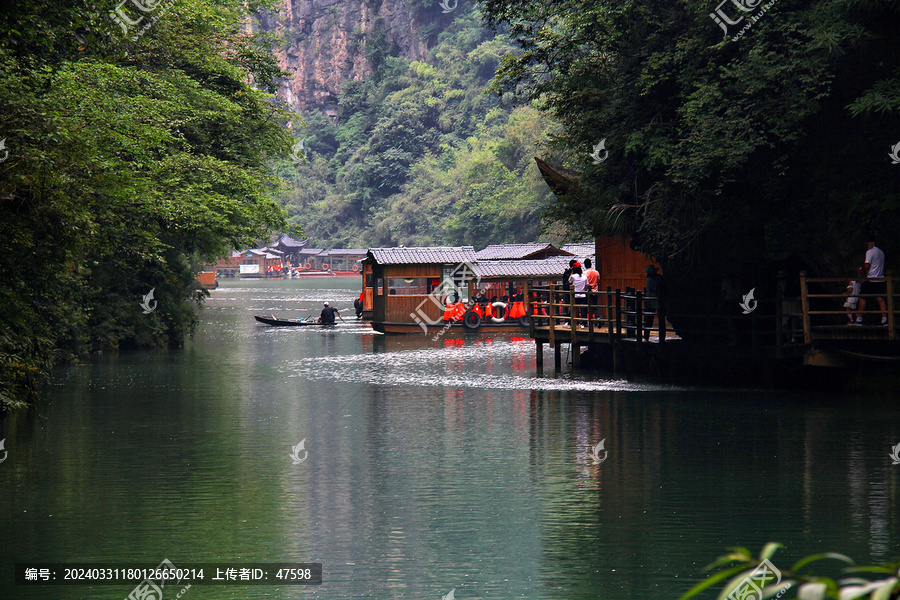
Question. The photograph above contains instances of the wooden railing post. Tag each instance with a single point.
(609, 318)
(804, 303)
(639, 316)
(573, 333)
(552, 317)
(779, 310)
(890, 305)
(572, 311)
(590, 315)
(661, 316)
(618, 313)
(526, 303)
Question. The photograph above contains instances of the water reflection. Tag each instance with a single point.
(431, 466)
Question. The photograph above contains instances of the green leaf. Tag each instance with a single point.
(814, 557)
(769, 549)
(711, 581)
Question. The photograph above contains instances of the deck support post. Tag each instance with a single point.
(539, 353)
(557, 356)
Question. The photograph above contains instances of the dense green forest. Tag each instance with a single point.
(765, 148)
(420, 154)
(128, 159)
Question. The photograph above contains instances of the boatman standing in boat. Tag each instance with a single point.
(327, 316)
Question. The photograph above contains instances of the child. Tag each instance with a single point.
(852, 299)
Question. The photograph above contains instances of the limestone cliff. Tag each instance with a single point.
(330, 41)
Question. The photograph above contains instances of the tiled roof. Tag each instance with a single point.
(512, 251)
(550, 267)
(345, 252)
(290, 242)
(580, 250)
(433, 255)
(310, 251)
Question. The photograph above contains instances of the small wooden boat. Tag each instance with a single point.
(285, 322)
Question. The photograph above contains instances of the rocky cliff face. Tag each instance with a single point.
(331, 41)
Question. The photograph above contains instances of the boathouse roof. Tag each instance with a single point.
(581, 250)
(345, 251)
(422, 255)
(550, 267)
(530, 250)
(310, 251)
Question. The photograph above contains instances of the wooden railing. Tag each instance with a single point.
(610, 315)
(606, 315)
(818, 297)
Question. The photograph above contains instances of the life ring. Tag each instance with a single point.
(500, 308)
(356, 268)
(324, 266)
(307, 266)
(523, 321)
(471, 321)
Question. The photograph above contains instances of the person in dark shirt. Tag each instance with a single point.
(566, 273)
(327, 316)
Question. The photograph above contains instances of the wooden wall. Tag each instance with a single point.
(620, 266)
(400, 307)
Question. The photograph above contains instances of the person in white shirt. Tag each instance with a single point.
(852, 292)
(873, 270)
(579, 285)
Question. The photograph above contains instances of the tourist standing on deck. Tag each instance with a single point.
(579, 284)
(873, 270)
(592, 274)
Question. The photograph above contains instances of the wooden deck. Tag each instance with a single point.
(812, 327)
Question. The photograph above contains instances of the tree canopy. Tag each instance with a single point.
(770, 142)
(132, 157)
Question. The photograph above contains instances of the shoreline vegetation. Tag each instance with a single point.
(129, 164)
(759, 578)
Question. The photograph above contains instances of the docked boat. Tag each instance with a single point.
(275, 322)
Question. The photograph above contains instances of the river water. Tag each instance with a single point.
(430, 466)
